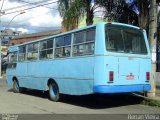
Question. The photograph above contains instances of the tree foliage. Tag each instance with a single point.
(114, 10)
(73, 10)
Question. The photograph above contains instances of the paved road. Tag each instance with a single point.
(37, 102)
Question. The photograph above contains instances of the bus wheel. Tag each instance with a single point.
(54, 91)
(16, 87)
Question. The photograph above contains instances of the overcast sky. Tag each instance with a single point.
(39, 19)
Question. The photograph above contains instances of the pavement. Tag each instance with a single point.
(37, 106)
(158, 92)
(157, 98)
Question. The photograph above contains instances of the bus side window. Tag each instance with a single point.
(84, 43)
(22, 53)
(46, 49)
(63, 46)
(32, 53)
(12, 60)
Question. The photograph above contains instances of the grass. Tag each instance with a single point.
(151, 102)
(158, 86)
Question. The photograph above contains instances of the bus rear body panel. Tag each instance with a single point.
(128, 76)
(125, 63)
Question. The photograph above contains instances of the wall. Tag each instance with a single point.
(22, 40)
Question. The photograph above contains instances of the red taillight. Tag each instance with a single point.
(111, 76)
(141, 28)
(109, 22)
(148, 75)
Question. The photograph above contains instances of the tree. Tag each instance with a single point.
(68, 10)
(143, 18)
(114, 10)
(73, 10)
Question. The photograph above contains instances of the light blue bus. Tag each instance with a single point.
(101, 58)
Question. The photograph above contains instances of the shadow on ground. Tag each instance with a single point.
(101, 101)
(94, 101)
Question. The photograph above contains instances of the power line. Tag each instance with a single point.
(34, 3)
(30, 8)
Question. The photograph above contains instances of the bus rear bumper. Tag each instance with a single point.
(122, 88)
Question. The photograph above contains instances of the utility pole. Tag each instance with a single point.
(0, 47)
(153, 42)
(0, 54)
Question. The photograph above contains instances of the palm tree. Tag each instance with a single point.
(115, 10)
(73, 10)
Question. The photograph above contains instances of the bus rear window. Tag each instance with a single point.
(125, 40)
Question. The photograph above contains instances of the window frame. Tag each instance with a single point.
(63, 46)
(24, 53)
(46, 49)
(33, 51)
(123, 31)
(12, 65)
(84, 42)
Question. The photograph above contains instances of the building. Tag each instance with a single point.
(30, 37)
(82, 23)
(8, 34)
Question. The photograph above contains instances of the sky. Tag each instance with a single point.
(42, 18)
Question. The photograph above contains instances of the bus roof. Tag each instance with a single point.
(15, 47)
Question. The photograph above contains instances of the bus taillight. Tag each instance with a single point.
(141, 28)
(148, 75)
(109, 22)
(111, 76)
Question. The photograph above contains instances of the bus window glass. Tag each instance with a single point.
(63, 41)
(63, 52)
(90, 35)
(30, 47)
(22, 53)
(46, 49)
(32, 51)
(115, 40)
(13, 57)
(67, 40)
(125, 40)
(50, 44)
(12, 60)
(85, 46)
(79, 37)
(59, 41)
(134, 42)
(63, 46)
(43, 45)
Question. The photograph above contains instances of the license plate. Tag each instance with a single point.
(130, 77)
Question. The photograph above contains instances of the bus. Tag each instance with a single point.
(101, 58)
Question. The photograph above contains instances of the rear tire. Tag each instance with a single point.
(54, 92)
(16, 87)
